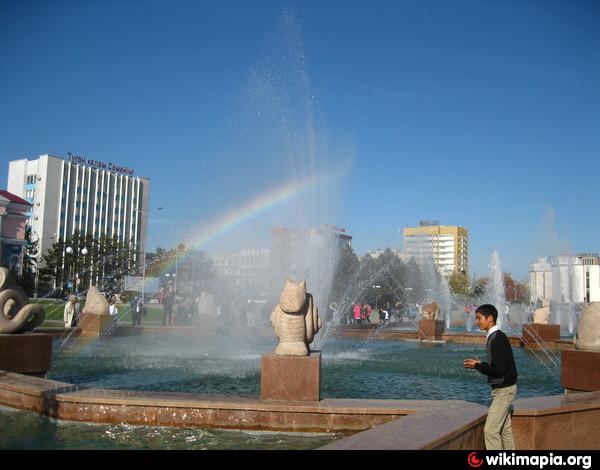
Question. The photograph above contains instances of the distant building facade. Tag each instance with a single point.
(247, 270)
(565, 278)
(448, 246)
(84, 195)
(13, 221)
(306, 255)
(377, 253)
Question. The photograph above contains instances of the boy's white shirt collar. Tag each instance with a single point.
(492, 330)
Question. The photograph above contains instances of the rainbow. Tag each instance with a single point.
(239, 215)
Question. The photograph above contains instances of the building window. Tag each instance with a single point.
(587, 279)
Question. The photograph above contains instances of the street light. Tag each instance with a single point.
(377, 296)
(144, 253)
(82, 251)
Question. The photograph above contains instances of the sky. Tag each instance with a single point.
(483, 114)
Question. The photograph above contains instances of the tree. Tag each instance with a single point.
(105, 263)
(515, 291)
(479, 286)
(195, 271)
(159, 262)
(386, 279)
(459, 283)
(413, 277)
(113, 260)
(30, 262)
(345, 271)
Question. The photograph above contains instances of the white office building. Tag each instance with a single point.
(80, 194)
(565, 278)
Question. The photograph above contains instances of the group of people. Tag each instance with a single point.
(168, 299)
(175, 309)
(388, 312)
(71, 311)
(362, 314)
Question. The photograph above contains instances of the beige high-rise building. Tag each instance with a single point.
(447, 245)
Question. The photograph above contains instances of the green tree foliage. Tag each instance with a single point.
(376, 280)
(105, 264)
(30, 253)
(195, 272)
(479, 286)
(113, 260)
(345, 272)
(459, 283)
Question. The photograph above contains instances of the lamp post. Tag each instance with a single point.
(144, 253)
(377, 296)
(80, 251)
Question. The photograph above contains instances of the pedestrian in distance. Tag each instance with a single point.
(357, 314)
(501, 372)
(71, 312)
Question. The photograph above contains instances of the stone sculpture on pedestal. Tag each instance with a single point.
(580, 367)
(295, 319)
(95, 302)
(21, 350)
(588, 330)
(431, 311)
(542, 315)
(430, 328)
(17, 315)
(291, 373)
(541, 333)
(95, 318)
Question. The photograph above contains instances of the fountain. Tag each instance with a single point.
(565, 293)
(228, 381)
(495, 292)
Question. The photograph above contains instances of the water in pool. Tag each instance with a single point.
(351, 368)
(368, 369)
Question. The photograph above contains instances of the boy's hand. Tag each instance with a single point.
(471, 363)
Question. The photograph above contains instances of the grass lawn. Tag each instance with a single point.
(55, 310)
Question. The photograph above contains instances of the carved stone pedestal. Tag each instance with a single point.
(431, 329)
(26, 353)
(534, 335)
(95, 325)
(580, 370)
(291, 378)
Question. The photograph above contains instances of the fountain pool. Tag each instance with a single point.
(352, 368)
(366, 368)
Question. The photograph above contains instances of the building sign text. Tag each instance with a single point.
(100, 165)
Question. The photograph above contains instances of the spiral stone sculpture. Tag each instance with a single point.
(17, 315)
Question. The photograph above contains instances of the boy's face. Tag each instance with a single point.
(483, 322)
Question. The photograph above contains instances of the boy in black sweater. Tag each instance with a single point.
(502, 377)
